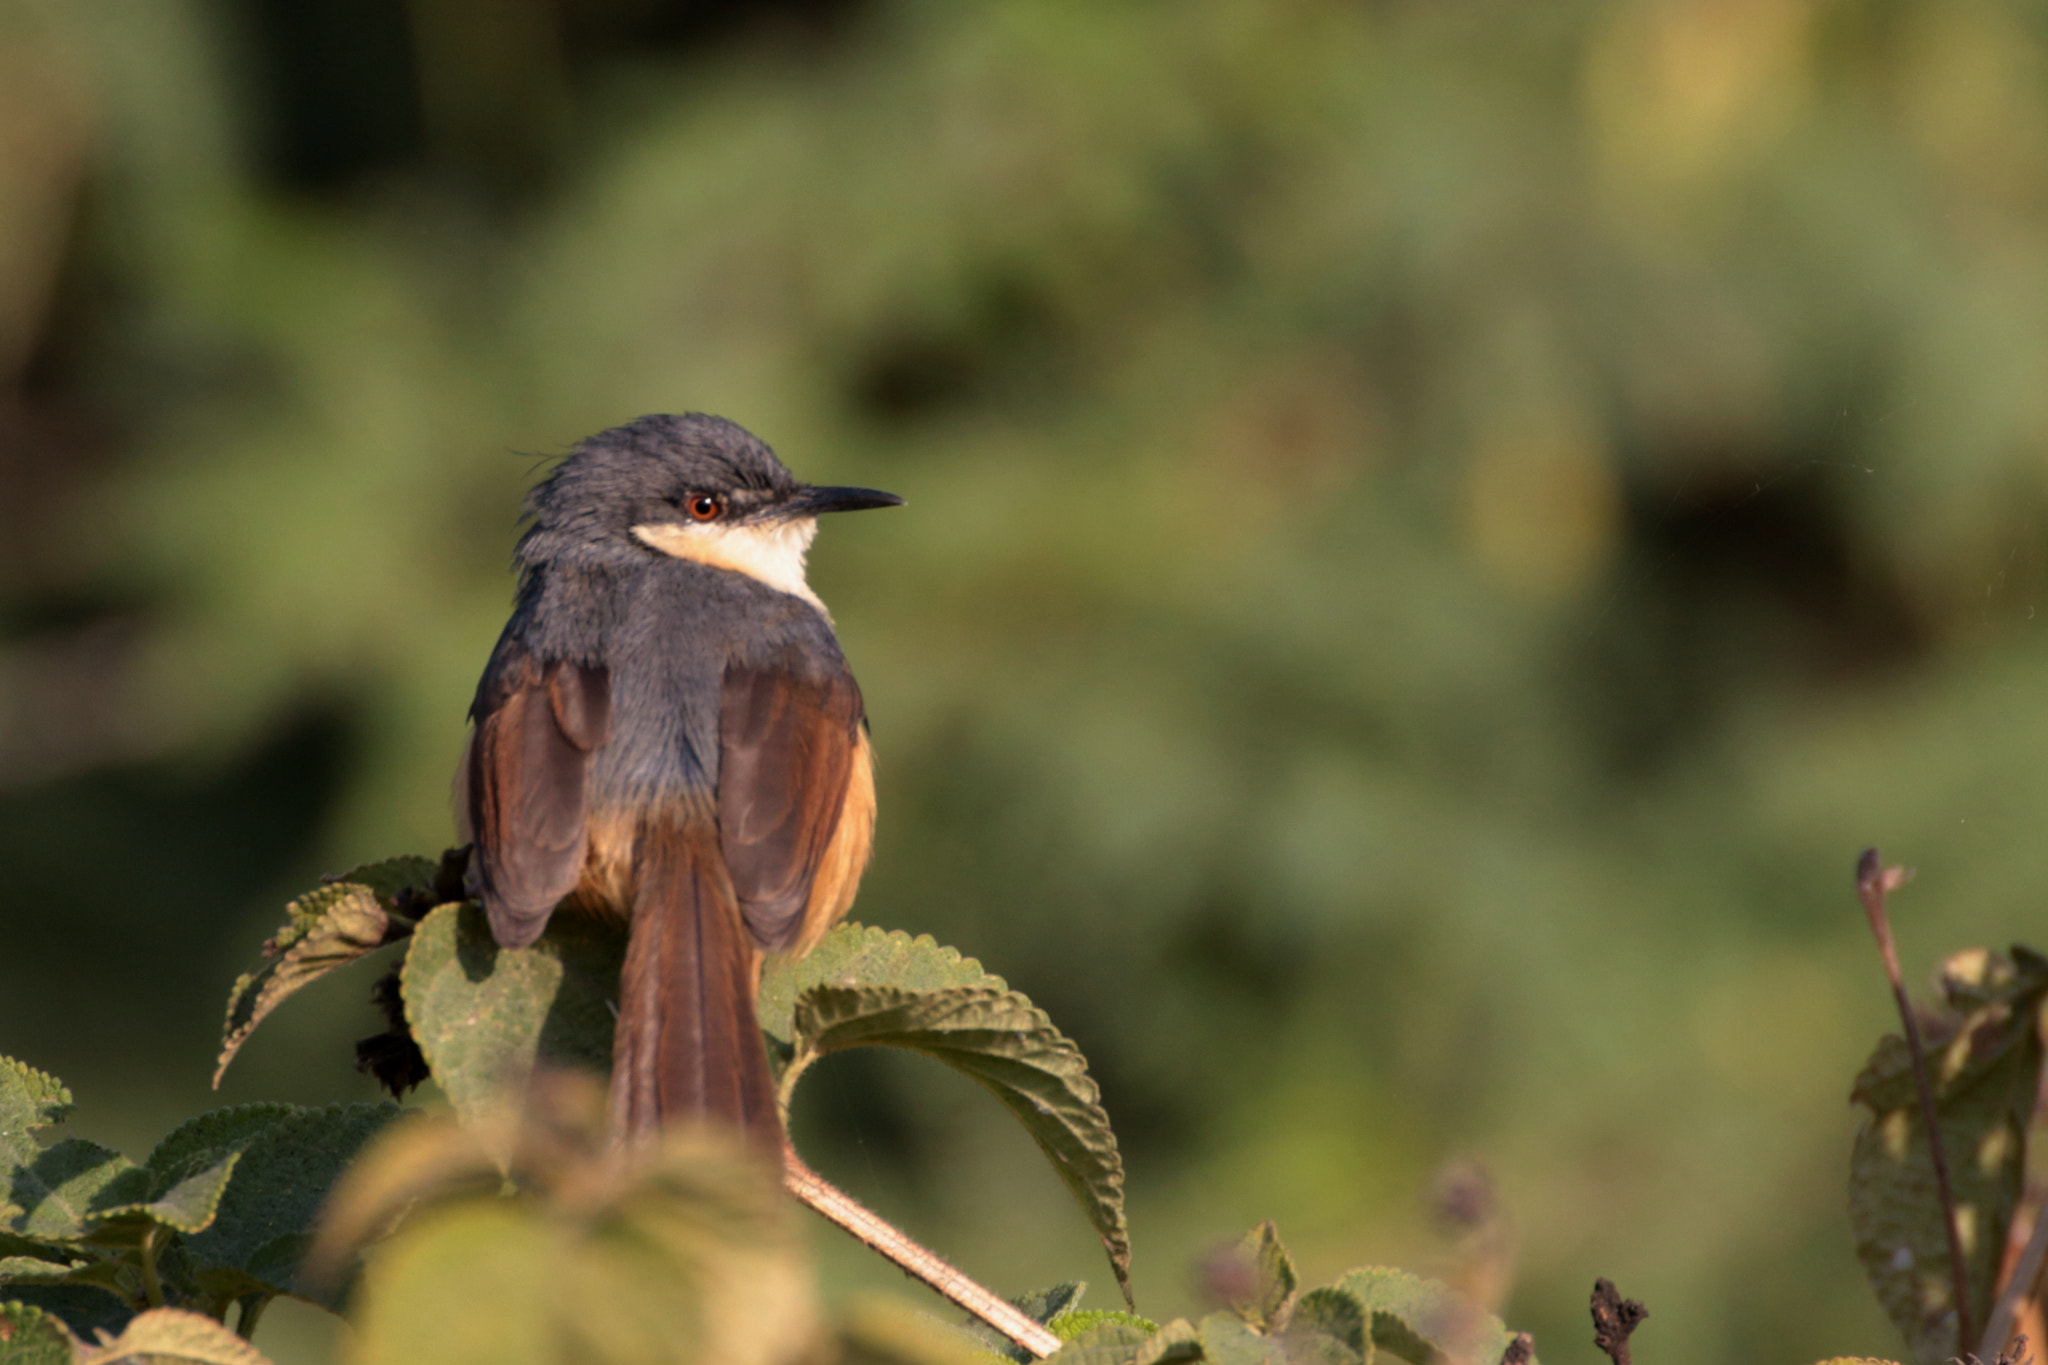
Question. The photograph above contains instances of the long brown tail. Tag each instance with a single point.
(688, 1044)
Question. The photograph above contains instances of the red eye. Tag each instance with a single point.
(704, 507)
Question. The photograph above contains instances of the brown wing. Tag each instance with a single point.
(795, 799)
(536, 725)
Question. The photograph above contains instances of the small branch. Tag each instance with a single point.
(1873, 882)
(1614, 1318)
(152, 1286)
(1521, 1350)
(873, 1231)
(252, 1310)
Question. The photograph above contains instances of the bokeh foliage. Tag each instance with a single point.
(1435, 532)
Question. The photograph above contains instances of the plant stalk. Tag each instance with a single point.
(882, 1236)
(152, 1285)
(1873, 882)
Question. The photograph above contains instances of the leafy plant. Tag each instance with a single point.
(216, 1217)
(559, 1247)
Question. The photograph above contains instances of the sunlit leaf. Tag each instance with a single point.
(29, 1099)
(62, 1192)
(31, 1336)
(326, 928)
(855, 954)
(1001, 1040)
(485, 1015)
(172, 1334)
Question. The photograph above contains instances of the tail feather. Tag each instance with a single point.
(688, 1044)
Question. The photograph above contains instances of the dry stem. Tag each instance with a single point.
(1873, 882)
(874, 1231)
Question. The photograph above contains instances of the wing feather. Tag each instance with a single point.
(537, 724)
(792, 746)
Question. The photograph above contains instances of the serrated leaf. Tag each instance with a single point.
(84, 1308)
(109, 1274)
(1263, 1293)
(1104, 1343)
(399, 882)
(485, 1015)
(283, 1177)
(328, 927)
(1177, 1340)
(173, 1334)
(1228, 1339)
(29, 1099)
(217, 1131)
(1985, 1066)
(1073, 1322)
(186, 1202)
(1421, 1320)
(31, 1336)
(13, 1244)
(855, 954)
(1043, 1305)
(63, 1191)
(1001, 1040)
(1334, 1314)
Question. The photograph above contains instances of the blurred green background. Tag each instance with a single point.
(1436, 532)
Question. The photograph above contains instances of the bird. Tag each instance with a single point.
(667, 734)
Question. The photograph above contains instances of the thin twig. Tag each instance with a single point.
(874, 1231)
(2005, 1317)
(1873, 882)
(1614, 1319)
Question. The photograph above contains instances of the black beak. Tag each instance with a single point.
(811, 502)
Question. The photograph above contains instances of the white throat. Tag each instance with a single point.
(769, 552)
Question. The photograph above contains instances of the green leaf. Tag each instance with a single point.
(1043, 1305)
(185, 1204)
(697, 1238)
(1109, 1342)
(485, 1015)
(1423, 1320)
(29, 1099)
(406, 885)
(30, 1336)
(1262, 1285)
(60, 1194)
(1228, 1339)
(84, 1307)
(1985, 1066)
(172, 1334)
(286, 1168)
(858, 955)
(1334, 1314)
(326, 928)
(1000, 1039)
(1177, 1340)
(1076, 1322)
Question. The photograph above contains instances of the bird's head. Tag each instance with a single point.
(689, 486)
